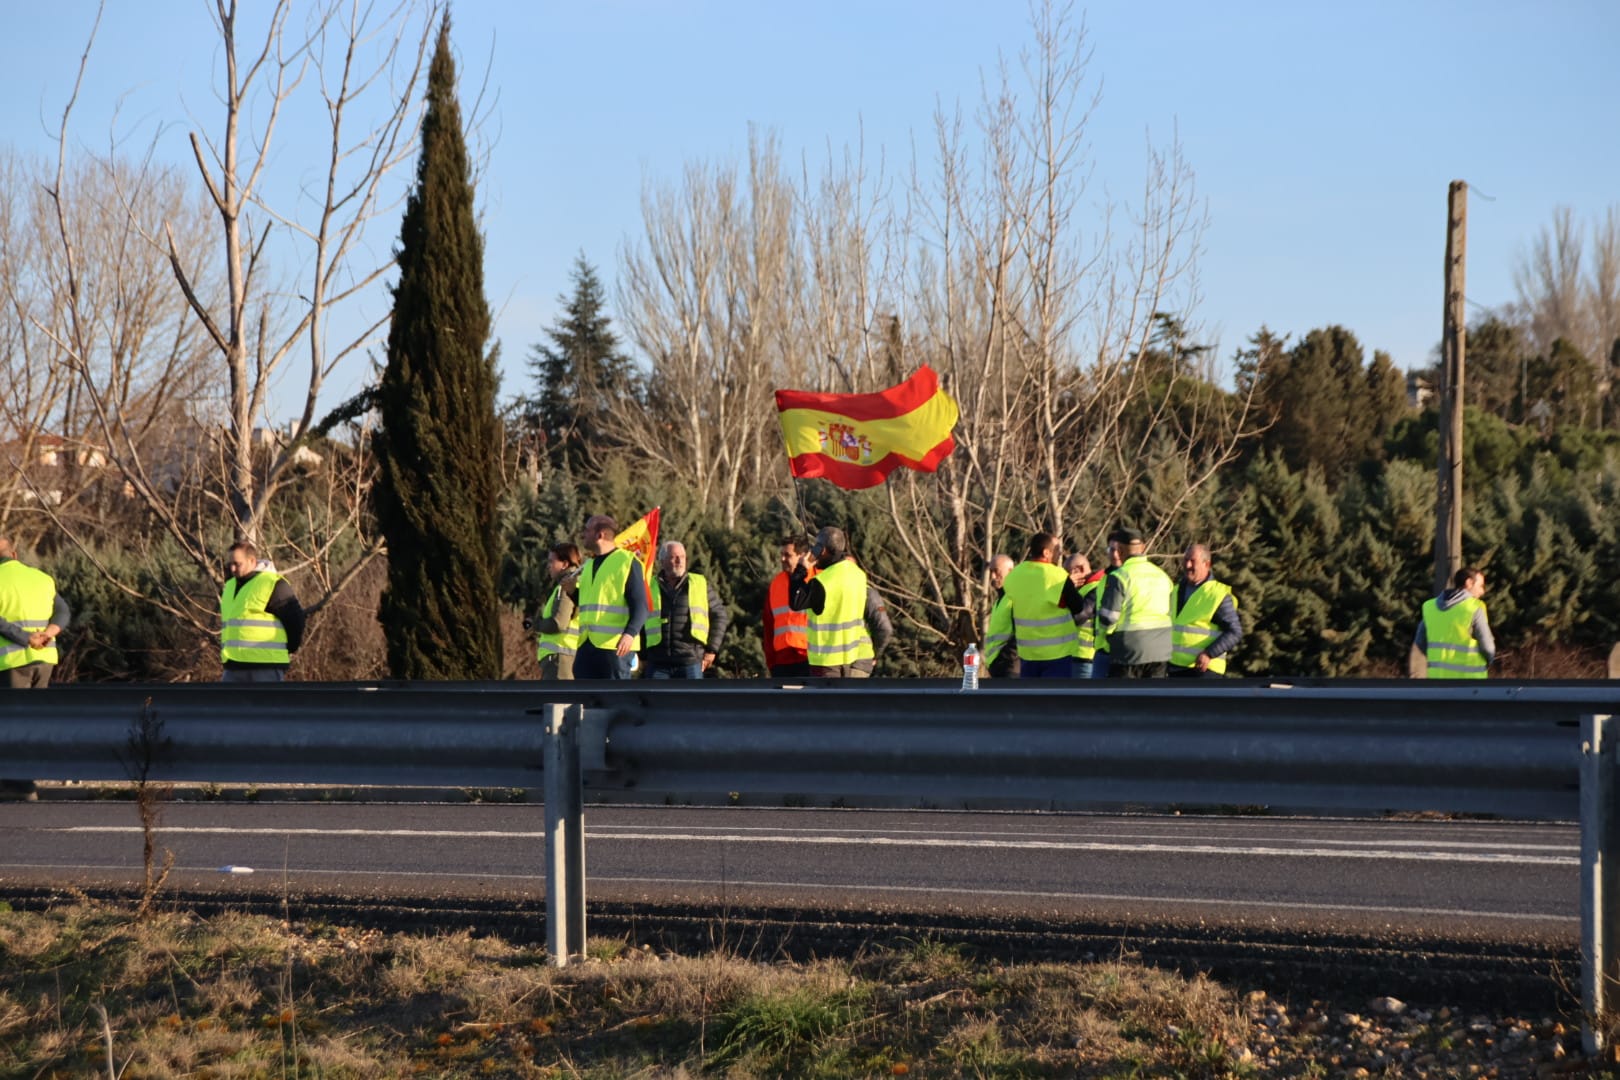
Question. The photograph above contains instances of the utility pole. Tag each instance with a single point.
(1453, 347)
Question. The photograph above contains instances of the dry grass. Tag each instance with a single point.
(243, 996)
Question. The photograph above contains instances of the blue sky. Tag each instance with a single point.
(1323, 137)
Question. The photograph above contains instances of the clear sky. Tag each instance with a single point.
(1323, 136)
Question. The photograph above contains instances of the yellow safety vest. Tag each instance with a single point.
(1453, 652)
(603, 614)
(1194, 629)
(1085, 634)
(838, 636)
(27, 598)
(1044, 630)
(562, 643)
(697, 606)
(248, 633)
(1147, 596)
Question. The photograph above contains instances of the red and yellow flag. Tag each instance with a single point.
(857, 440)
(640, 539)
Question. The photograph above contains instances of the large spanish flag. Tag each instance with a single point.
(857, 440)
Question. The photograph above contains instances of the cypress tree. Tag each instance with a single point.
(440, 440)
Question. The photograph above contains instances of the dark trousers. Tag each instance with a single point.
(1060, 668)
(1193, 673)
(1139, 671)
(591, 662)
(788, 671)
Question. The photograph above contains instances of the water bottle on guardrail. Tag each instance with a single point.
(970, 667)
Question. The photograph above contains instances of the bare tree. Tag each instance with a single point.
(351, 73)
(1046, 326)
(709, 302)
(1567, 290)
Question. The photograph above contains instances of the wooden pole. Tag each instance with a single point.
(1453, 347)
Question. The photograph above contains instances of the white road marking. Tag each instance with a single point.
(798, 886)
(1386, 852)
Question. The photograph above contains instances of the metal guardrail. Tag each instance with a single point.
(1515, 750)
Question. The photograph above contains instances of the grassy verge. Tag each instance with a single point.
(88, 991)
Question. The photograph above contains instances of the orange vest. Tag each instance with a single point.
(786, 630)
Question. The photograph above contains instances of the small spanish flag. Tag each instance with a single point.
(857, 440)
(640, 539)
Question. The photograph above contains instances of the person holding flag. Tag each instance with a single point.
(612, 603)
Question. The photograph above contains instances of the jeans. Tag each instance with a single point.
(1099, 664)
(675, 671)
(1082, 669)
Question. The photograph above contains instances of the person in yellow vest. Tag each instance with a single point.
(32, 614)
(1454, 633)
(612, 604)
(1038, 609)
(849, 623)
(785, 632)
(556, 624)
(1135, 611)
(686, 621)
(1005, 665)
(1206, 627)
(261, 621)
(1089, 586)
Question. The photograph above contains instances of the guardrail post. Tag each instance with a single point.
(1600, 876)
(565, 835)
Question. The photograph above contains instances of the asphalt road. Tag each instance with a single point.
(1488, 881)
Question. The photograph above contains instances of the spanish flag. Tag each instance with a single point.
(857, 440)
(641, 540)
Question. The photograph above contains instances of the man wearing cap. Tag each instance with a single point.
(849, 623)
(1135, 611)
(1207, 626)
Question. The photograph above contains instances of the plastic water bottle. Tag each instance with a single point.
(970, 667)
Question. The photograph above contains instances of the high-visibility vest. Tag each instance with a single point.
(1147, 596)
(788, 627)
(838, 636)
(1453, 652)
(697, 609)
(1000, 632)
(562, 643)
(27, 598)
(1194, 629)
(1085, 634)
(603, 614)
(1044, 630)
(248, 634)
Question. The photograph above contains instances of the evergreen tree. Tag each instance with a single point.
(440, 441)
(577, 376)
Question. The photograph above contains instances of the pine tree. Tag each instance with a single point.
(578, 375)
(440, 441)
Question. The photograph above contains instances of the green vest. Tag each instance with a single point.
(563, 643)
(697, 606)
(838, 637)
(1085, 634)
(1452, 651)
(1194, 629)
(27, 598)
(603, 614)
(1147, 596)
(248, 633)
(1044, 630)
